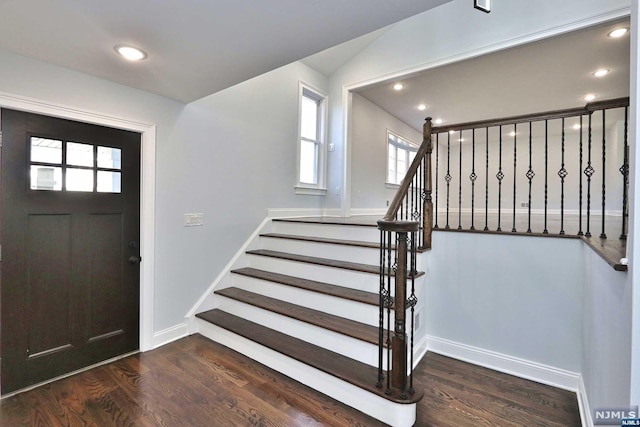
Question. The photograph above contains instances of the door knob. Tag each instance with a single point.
(133, 259)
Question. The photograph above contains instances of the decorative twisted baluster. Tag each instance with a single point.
(530, 174)
(624, 170)
(515, 173)
(589, 171)
(562, 173)
(473, 177)
(603, 235)
(499, 177)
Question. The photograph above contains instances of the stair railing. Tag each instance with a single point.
(557, 172)
(405, 229)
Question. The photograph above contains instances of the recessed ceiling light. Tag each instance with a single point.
(512, 133)
(422, 107)
(601, 72)
(589, 97)
(618, 32)
(577, 126)
(398, 86)
(438, 121)
(131, 53)
(451, 132)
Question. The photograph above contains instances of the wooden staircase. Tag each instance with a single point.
(303, 300)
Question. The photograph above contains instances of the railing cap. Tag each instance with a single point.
(398, 226)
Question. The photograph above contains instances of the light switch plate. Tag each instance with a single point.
(193, 219)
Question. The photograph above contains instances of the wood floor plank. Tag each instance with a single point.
(138, 391)
(311, 285)
(341, 325)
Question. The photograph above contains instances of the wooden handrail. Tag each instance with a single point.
(526, 118)
(425, 148)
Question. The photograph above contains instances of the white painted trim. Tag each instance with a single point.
(522, 368)
(190, 317)
(171, 334)
(147, 190)
(368, 212)
(310, 191)
(294, 212)
(421, 349)
(583, 405)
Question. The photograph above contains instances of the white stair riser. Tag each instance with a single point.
(353, 310)
(336, 276)
(384, 410)
(344, 232)
(342, 344)
(323, 250)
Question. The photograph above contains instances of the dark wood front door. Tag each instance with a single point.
(70, 257)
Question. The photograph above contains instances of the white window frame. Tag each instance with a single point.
(402, 145)
(320, 187)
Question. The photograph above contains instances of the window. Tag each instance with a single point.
(82, 168)
(400, 154)
(311, 146)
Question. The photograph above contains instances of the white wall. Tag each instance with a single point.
(369, 147)
(606, 355)
(513, 295)
(233, 156)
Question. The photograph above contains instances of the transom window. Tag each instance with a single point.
(400, 154)
(57, 165)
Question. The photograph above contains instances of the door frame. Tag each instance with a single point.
(147, 190)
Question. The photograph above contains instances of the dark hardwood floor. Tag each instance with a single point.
(195, 382)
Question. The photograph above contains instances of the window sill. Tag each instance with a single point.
(391, 186)
(311, 191)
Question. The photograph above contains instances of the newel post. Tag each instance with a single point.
(400, 269)
(427, 217)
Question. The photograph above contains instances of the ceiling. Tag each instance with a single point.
(196, 47)
(551, 74)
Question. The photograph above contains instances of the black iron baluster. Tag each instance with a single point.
(486, 183)
(580, 233)
(388, 304)
(460, 185)
(603, 235)
(435, 226)
(562, 173)
(412, 302)
(515, 174)
(473, 176)
(530, 174)
(624, 170)
(447, 177)
(546, 174)
(589, 171)
(381, 302)
(500, 177)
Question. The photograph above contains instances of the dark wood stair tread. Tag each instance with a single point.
(358, 243)
(358, 222)
(346, 265)
(351, 328)
(342, 367)
(311, 285)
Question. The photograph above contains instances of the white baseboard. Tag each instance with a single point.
(170, 334)
(522, 368)
(368, 211)
(583, 405)
(294, 212)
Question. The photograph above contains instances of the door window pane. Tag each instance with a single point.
(109, 158)
(46, 150)
(79, 154)
(46, 178)
(79, 179)
(108, 182)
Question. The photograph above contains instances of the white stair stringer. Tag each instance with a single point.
(338, 343)
(354, 310)
(394, 414)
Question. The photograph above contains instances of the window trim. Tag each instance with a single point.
(319, 188)
(411, 147)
